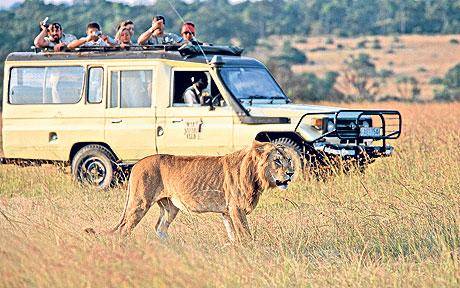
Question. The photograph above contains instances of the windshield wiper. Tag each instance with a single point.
(271, 98)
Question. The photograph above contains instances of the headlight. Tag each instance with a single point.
(317, 123)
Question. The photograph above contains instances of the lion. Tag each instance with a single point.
(229, 185)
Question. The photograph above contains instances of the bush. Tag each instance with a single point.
(362, 44)
(451, 82)
(376, 44)
(421, 69)
(408, 88)
(316, 49)
(329, 41)
(435, 80)
(454, 41)
(340, 46)
(291, 55)
(386, 73)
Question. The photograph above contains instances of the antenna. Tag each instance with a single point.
(183, 22)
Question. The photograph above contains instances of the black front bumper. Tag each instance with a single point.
(353, 151)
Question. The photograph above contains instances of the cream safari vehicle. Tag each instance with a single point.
(101, 111)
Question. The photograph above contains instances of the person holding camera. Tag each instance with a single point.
(94, 38)
(52, 36)
(193, 94)
(156, 34)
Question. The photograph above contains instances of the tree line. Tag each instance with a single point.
(221, 22)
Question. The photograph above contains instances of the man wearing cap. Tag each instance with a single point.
(156, 35)
(53, 36)
(192, 95)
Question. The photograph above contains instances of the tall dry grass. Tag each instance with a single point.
(396, 225)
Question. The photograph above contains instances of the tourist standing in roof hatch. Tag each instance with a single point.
(156, 34)
(52, 36)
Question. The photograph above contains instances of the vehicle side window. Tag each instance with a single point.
(114, 89)
(183, 80)
(133, 88)
(46, 85)
(95, 78)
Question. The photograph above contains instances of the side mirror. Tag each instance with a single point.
(207, 101)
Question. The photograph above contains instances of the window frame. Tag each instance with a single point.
(118, 70)
(88, 74)
(83, 83)
(172, 85)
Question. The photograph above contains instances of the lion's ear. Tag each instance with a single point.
(258, 146)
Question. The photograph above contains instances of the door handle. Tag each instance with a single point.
(178, 120)
(117, 120)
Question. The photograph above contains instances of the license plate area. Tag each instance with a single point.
(370, 132)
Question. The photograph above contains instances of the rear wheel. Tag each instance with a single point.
(94, 165)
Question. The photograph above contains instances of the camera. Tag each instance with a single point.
(98, 33)
(44, 22)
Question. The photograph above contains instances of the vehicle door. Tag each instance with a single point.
(130, 112)
(197, 129)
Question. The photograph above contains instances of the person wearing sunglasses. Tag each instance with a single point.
(187, 32)
(52, 36)
(156, 34)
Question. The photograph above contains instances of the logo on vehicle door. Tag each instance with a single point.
(193, 129)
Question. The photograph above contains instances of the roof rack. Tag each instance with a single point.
(185, 50)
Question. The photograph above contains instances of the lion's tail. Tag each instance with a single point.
(122, 219)
(92, 231)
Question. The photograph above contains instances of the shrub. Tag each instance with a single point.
(316, 49)
(451, 82)
(408, 88)
(291, 55)
(329, 41)
(454, 41)
(386, 73)
(362, 44)
(340, 46)
(376, 44)
(435, 80)
(361, 77)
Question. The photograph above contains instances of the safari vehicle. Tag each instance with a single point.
(101, 111)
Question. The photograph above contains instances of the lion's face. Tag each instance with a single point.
(279, 170)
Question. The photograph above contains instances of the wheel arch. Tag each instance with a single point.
(77, 146)
(271, 135)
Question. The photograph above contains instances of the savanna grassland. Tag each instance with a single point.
(423, 57)
(396, 225)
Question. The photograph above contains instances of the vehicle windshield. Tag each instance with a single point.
(247, 84)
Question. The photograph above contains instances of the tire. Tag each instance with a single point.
(94, 165)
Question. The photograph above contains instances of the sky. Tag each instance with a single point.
(7, 3)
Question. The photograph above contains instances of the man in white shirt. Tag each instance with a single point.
(193, 94)
(53, 36)
(156, 34)
(94, 37)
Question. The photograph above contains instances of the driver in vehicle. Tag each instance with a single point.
(194, 94)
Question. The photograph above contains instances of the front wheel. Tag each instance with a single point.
(94, 165)
(296, 155)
